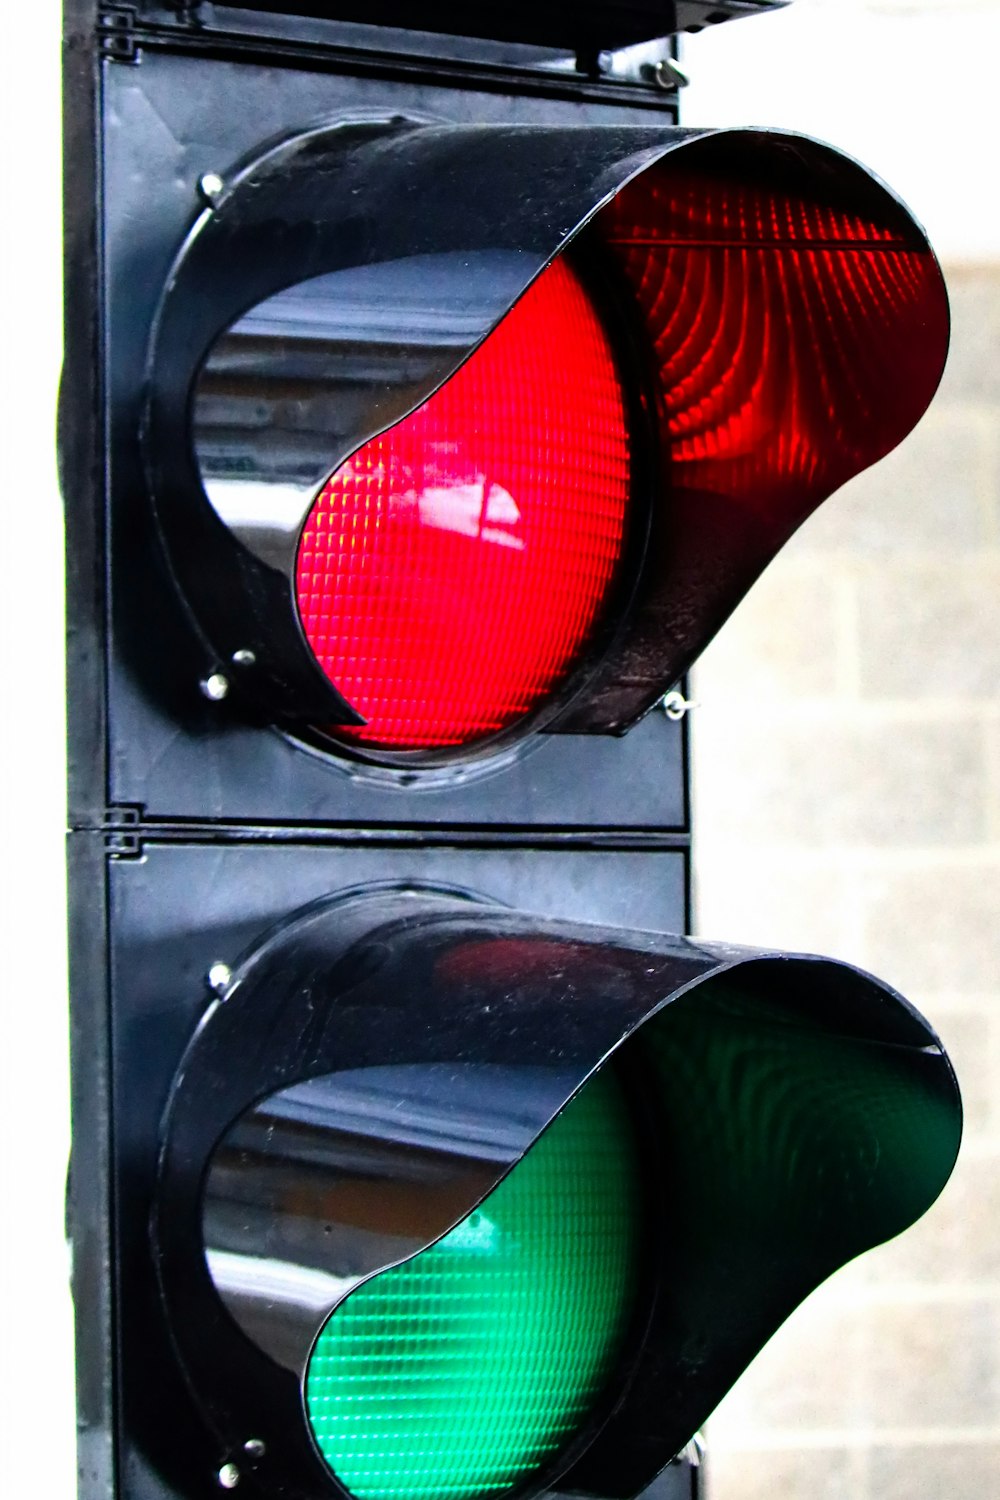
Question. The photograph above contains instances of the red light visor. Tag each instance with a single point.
(509, 467)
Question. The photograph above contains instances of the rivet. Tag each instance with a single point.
(210, 186)
(215, 687)
(219, 976)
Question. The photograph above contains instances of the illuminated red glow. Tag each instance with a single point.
(796, 341)
(451, 572)
(797, 326)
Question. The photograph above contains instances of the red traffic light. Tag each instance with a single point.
(436, 481)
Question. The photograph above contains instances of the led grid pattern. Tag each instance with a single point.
(466, 1369)
(451, 572)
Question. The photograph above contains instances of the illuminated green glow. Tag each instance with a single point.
(469, 1367)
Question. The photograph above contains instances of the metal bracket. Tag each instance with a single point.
(647, 64)
(116, 38)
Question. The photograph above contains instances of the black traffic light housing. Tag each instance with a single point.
(789, 1112)
(256, 906)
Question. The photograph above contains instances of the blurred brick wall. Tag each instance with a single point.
(847, 801)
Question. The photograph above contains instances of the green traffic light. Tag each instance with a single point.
(467, 1368)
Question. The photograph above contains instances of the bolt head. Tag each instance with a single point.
(210, 186)
(219, 976)
(215, 687)
(669, 75)
(675, 705)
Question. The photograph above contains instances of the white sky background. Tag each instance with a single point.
(910, 86)
(37, 1418)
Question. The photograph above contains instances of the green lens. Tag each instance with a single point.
(467, 1368)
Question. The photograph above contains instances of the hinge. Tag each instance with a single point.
(116, 33)
(121, 837)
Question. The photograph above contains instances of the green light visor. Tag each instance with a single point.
(475, 1365)
(460, 1275)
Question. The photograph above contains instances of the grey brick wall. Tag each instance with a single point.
(847, 800)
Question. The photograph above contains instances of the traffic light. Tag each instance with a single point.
(694, 1137)
(431, 399)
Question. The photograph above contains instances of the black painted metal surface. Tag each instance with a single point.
(192, 829)
(587, 25)
(175, 912)
(172, 754)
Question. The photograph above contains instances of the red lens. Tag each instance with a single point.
(452, 570)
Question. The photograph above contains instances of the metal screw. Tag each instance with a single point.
(229, 1476)
(254, 1448)
(210, 186)
(676, 706)
(669, 75)
(244, 658)
(219, 976)
(215, 687)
